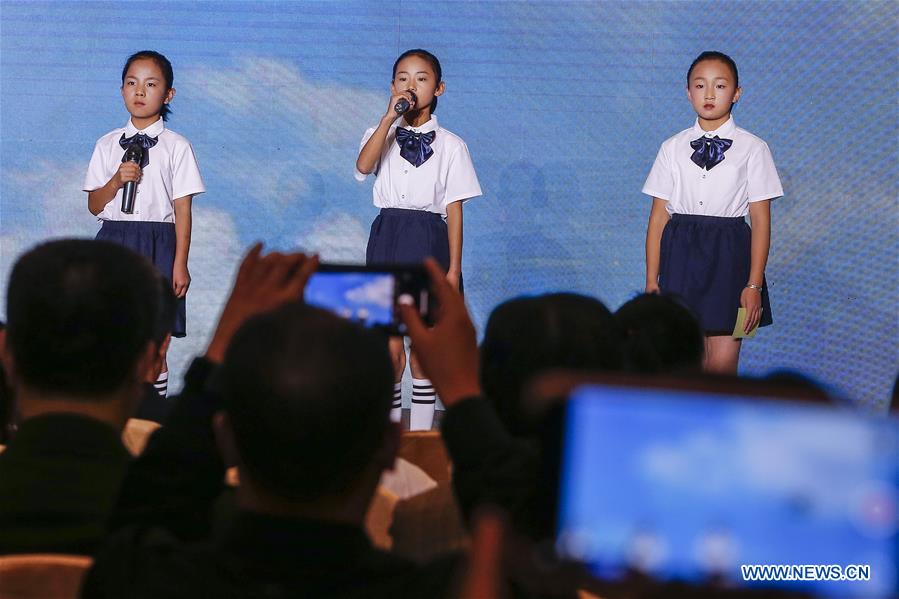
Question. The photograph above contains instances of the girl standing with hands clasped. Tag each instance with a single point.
(167, 177)
(424, 174)
(704, 182)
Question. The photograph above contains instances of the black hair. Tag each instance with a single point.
(800, 385)
(164, 65)
(432, 60)
(308, 396)
(660, 334)
(715, 55)
(528, 334)
(6, 402)
(80, 314)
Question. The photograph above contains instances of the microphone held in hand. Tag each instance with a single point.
(403, 104)
(134, 153)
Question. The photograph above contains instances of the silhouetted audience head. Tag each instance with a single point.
(307, 397)
(168, 307)
(81, 315)
(797, 385)
(529, 334)
(660, 335)
(152, 406)
(6, 397)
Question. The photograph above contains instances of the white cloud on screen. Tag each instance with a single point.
(328, 117)
(803, 456)
(678, 465)
(50, 195)
(263, 178)
(296, 135)
(337, 238)
(378, 292)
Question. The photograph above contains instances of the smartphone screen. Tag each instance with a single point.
(369, 296)
(698, 486)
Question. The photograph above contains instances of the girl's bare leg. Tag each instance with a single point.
(722, 354)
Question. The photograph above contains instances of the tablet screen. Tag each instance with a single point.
(698, 486)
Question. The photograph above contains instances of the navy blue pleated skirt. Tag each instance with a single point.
(156, 241)
(705, 260)
(400, 236)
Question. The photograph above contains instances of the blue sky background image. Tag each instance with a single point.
(563, 106)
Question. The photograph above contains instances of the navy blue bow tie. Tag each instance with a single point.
(145, 142)
(709, 151)
(415, 147)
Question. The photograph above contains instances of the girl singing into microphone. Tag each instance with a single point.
(167, 177)
(424, 174)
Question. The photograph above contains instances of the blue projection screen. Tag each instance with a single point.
(563, 106)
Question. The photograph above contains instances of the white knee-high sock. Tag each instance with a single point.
(423, 399)
(162, 384)
(396, 412)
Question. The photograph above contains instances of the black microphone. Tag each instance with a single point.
(134, 153)
(403, 104)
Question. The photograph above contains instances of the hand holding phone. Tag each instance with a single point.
(448, 351)
(262, 283)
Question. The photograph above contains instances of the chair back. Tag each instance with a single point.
(426, 450)
(428, 524)
(136, 434)
(38, 576)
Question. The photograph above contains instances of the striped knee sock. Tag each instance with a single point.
(423, 398)
(162, 385)
(396, 412)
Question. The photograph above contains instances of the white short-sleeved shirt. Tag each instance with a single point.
(171, 173)
(747, 174)
(447, 176)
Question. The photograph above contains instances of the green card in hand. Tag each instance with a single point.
(738, 329)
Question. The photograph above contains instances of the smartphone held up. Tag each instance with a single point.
(371, 295)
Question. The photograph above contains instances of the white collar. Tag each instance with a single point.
(431, 125)
(152, 131)
(725, 130)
